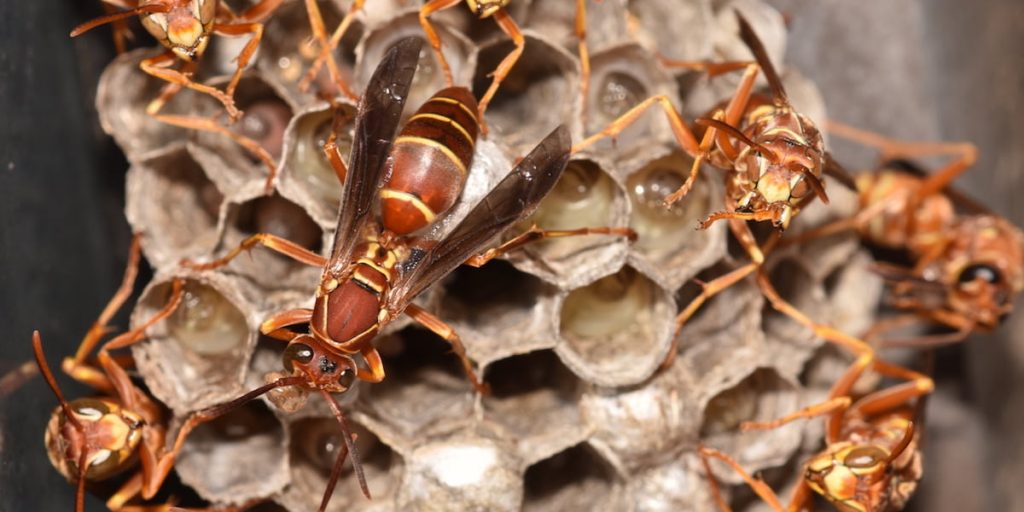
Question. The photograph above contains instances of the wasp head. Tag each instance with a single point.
(184, 28)
(103, 436)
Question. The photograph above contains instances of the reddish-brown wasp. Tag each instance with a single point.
(92, 439)
(184, 28)
(966, 269)
(774, 157)
(495, 9)
(377, 266)
(872, 460)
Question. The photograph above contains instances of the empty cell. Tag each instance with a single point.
(535, 397)
(498, 310)
(763, 395)
(576, 478)
(425, 384)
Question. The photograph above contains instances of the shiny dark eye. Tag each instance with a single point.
(296, 352)
(864, 457)
(981, 271)
(347, 377)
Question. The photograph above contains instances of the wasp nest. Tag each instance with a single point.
(570, 333)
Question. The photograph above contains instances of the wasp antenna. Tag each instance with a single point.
(756, 47)
(733, 131)
(335, 473)
(37, 348)
(110, 18)
(357, 465)
(80, 488)
(815, 183)
(908, 436)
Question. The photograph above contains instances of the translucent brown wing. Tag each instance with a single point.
(511, 200)
(836, 170)
(376, 123)
(954, 194)
(750, 38)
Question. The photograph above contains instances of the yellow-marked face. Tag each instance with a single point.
(780, 174)
(486, 8)
(185, 29)
(853, 477)
(108, 440)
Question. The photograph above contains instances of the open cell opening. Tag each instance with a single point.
(544, 76)
(313, 450)
(424, 382)
(236, 457)
(577, 478)
(180, 221)
(533, 394)
(280, 217)
(617, 327)
(198, 353)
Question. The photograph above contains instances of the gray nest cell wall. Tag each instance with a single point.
(570, 333)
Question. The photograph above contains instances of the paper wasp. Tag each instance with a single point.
(93, 439)
(184, 29)
(377, 267)
(965, 268)
(872, 459)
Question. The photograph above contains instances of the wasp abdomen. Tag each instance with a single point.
(429, 161)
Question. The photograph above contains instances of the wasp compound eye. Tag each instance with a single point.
(981, 271)
(296, 352)
(347, 378)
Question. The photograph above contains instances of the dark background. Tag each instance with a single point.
(929, 70)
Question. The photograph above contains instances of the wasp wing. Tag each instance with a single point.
(837, 171)
(511, 201)
(954, 194)
(376, 122)
(756, 47)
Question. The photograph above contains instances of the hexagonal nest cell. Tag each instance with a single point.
(573, 334)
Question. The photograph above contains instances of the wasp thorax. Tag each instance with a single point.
(106, 442)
